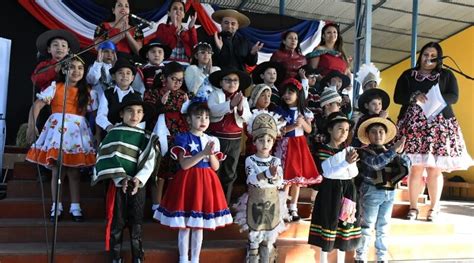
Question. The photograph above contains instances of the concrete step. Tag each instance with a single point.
(400, 210)
(32, 189)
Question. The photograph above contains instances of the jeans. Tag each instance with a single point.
(376, 210)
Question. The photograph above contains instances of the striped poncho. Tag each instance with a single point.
(127, 152)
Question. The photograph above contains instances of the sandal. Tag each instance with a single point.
(432, 215)
(412, 214)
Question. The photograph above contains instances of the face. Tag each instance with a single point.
(339, 132)
(332, 107)
(175, 81)
(370, 85)
(230, 83)
(132, 115)
(337, 82)
(312, 79)
(200, 121)
(264, 144)
(108, 56)
(58, 48)
(176, 11)
(374, 106)
(290, 97)
(76, 72)
(291, 41)
(428, 54)
(203, 56)
(155, 55)
(229, 24)
(330, 35)
(124, 77)
(376, 135)
(269, 76)
(264, 100)
(121, 9)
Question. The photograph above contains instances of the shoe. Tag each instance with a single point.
(359, 261)
(51, 217)
(294, 215)
(77, 216)
(412, 214)
(432, 215)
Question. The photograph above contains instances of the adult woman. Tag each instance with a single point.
(174, 35)
(329, 54)
(128, 42)
(435, 144)
(289, 54)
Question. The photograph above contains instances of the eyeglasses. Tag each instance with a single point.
(312, 76)
(176, 80)
(229, 81)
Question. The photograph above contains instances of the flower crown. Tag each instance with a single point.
(293, 82)
(207, 45)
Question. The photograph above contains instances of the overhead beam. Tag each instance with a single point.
(414, 32)
(384, 48)
(375, 7)
(242, 4)
(456, 3)
(425, 15)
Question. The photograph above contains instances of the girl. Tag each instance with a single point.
(260, 101)
(333, 223)
(197, 75)
(78, 146)
(195, 199)
(289, 54)
(293, 149)
(167, 100)
(128, 42)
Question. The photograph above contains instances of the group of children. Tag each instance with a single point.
(146, 115)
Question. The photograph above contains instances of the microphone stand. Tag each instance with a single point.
(459, 72)
(66, 61)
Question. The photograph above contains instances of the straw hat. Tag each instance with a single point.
(391, 129)
(243, 20)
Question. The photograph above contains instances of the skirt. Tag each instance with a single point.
(78, 145)
(327, 230)
(297, 162)
(434, 143)
(194, 199)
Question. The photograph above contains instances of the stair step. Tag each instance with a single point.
(32, 188)
(25, 171)
(400, 210)
(404, 196)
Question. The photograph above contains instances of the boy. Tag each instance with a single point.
(229, 110)
(154, 53)
(128, 156)
(381, 169)
(98, 75)
(311, 77)
(342, 83)
(272, 74)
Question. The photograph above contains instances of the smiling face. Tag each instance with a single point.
(229, 24)
(330, 35)
(132, 115)
(58, 48)
(230, 83)
(428, 54)
(123, 78)
(76, 72)
(374, 106)
(264, 145)
(121, 9)
(336, 82)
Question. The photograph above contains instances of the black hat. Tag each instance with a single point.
(133, 98)
(43, 41)
(346, 81)
(155, 43)
(123, 63)
(368, 95)
(308, 70)
(338, 116)
(262, 67)
(216, 77)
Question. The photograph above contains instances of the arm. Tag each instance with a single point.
(402, 94)
(43, 79)
(450, 92)
(218, 109)
(378, 162)
(334, 166)
(135, 42)
(102, 113)
(250, 59)
(93, 75)
(149, 165)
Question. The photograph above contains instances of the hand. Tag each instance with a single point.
(124, 185)
(100, 55)
(114, 59)
(300, 121)
(207, 69)
(383, 114)
(256, 48)
(399, 145)
(302, 74)
(209, 149)
(165, 97)
(57, 68)
(240, 107)
(193, 21)
(421, 98)
(273, 170)
(283, 131)
(218, 41)
(352, 156)
(108, 128)
(136, 184)
(236, 99)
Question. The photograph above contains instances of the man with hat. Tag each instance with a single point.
(229, 110)
(129, 168)
(230, 49)
(381, 169)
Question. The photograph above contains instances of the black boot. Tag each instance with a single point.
(137, 260)
(136, 243)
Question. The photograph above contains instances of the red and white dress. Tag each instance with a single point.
(194, 198)
(297, 161)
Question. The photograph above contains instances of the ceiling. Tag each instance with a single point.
(391, 21)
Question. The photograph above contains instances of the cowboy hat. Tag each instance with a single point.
(346, 81)
(123, 63)
(362, 131)
(155, 43)
(243, 20)
(262, 67)
(130, 100)
(368, 95)
(43, 41)
(216, 77)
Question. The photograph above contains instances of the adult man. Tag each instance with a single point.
(230, 49)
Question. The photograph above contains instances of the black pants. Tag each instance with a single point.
(228, 169)
(128, 212)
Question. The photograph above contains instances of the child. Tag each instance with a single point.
(229, 110)
(194, 199)
(123, 73)
(272, 74)
(368, 76)
(128, 156)
(167, 99)
(311, 75)
(334, 222)
(78, 147)
(260, 101)
(293, 150)
(381, 169)
(98, 75)
(261, 210)
(197, 74)
(342, 83)
(330, 102)
(154, 53)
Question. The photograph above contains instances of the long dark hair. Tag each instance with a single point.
(283, 37)
(83, 95)
(300, 100)
(339, 45)
(171, 4)
(111, 17)
(439, 50)
(200, 46)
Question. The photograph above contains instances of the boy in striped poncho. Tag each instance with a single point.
(128, 156)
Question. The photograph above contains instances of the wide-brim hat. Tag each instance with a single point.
(42, 42)
(262, 67)
(155, 43)
(368, 95)
(338, 117)
(308, 70)
(216, 77)
(129, 100)
(123, 63)
(243, 20)
(346, 81)
(391, 129)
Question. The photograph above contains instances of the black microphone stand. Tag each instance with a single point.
(459, 72)
(66, 61)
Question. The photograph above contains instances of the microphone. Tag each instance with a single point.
(143, 20)
(436, 59)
